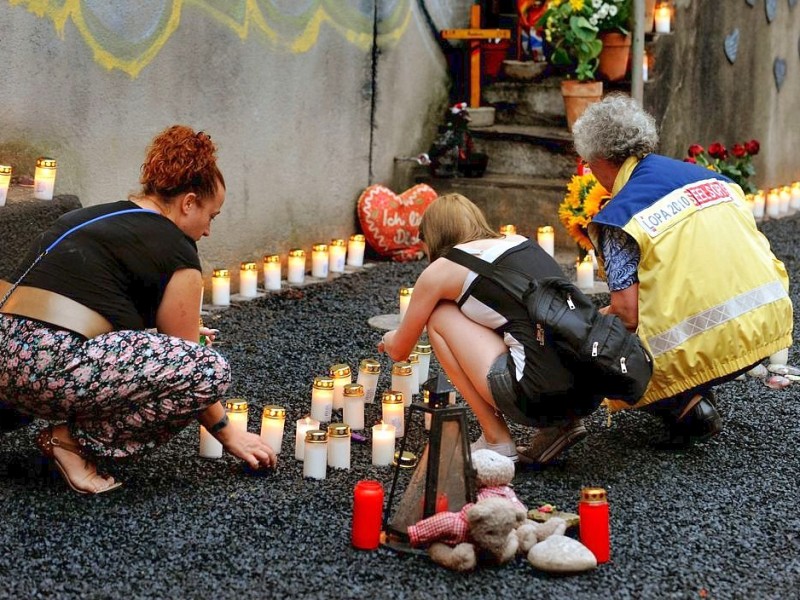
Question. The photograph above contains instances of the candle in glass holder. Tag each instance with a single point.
(402, 380)
(272, 272)
(44, 178)
(304, 425)
(319, 261)
(221, 287)
(296, 268)
(273, 419)
(425, 352)
(367, 515)
(393, 411)
(341, 375)
(5, 180)
(545, 237)
(248, 279)
(237, 413)
(405, 299)
(315, 454)
(785, 195)
(383, 436)
(645, 67)
(336, 256)
(585, 272)
(794, 203)
(413, 360)
(758, 205)
(353, 411)
(339, 446)
(368, 372)
(426, 400)
(355, 250)
(322, 399)
(508, 229)
(663, 16)
(772, 204)
(210, 447)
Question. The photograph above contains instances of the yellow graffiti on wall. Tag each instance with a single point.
(128, 35)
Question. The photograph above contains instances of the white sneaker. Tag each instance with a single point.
(508, 449)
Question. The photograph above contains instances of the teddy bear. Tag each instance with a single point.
(483, 531)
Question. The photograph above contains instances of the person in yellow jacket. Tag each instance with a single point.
(687, 268)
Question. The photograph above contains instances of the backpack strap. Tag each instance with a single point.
(514, 282)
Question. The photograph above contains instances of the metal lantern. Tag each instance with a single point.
(444, 478)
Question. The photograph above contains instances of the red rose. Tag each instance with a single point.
(752, 147)
(739, 151)
(690, 159)
(717, 150)
(695, 150)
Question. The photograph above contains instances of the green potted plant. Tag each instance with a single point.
(613, 19)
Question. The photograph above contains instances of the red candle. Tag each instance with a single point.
(594, 523)
(367, 514)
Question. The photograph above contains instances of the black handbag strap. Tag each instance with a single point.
(514, 282)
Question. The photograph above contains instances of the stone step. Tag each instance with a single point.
(527, 103)
(529, 150)
(527, 202)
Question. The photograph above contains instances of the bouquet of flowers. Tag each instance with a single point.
(583, 200)
(736, 165)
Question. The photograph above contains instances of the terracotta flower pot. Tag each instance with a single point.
(578, 95)
(614, 55)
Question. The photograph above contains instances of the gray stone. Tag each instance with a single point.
(561, 554)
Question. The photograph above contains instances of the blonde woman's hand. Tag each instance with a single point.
(248, 446)
(210, 334)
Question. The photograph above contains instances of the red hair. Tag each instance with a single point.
(179, 161)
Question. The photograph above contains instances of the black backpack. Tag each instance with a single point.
(597, 348)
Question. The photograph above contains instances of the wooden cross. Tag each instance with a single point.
(475, 34)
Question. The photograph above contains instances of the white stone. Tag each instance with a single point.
(481, 116)
(561, 554)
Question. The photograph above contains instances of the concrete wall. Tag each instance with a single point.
(309, 101)
(698, 96)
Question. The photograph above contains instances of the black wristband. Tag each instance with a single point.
(219, 425)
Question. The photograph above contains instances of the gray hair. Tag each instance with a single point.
(614, 129)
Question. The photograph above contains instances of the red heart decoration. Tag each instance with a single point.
(391, 223)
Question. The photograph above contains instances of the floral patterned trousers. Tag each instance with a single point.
(121, 393)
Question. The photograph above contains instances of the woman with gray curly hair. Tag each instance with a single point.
(668, 240)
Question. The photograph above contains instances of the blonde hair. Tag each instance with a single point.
(452, 219)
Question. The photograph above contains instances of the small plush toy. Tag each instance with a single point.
(481, 532)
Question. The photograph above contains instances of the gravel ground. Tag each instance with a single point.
(716, 521)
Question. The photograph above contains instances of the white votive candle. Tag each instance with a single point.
(272, 272)
(337, 250)
(758, 205)
(209, 446)
(405, 300)
(319, 261)
(339, 446)
(355, 250)
(585, 273)
(237, 413)
(663, 17)
(508, 229)
(773, 204)
(5, 180)
(341, 375)
(423, 349)
(304, 425)
(353, 411)
(322, 399)
(368, 372)
(545, 237)
(44, 178)
(785, 195)
(315, 454)
(413, 360)
(794, 203)
(273, 419)
(221, 287)
(248, 279)
(402, 381)
(393, 411)
(383, 437)
(296, 268)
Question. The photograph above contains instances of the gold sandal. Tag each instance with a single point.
(47, 441)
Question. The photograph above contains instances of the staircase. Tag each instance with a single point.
(530, 159)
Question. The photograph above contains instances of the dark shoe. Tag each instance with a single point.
(88, 481)
(547, 443)
(701, 423)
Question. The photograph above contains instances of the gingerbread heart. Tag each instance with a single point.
(390, 222)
